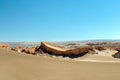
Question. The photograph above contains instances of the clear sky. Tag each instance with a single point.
(59, 20)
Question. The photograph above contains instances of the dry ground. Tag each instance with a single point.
(15, 66)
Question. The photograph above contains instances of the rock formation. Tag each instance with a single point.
(5, 46)
(58, 50)
(18, 49)
(100, 48)
(117, 49)
(116, 55)
(32, 50)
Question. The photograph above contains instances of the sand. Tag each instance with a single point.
(16, 66)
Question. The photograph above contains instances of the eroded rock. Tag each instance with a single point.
(60, 50)
(5, 46)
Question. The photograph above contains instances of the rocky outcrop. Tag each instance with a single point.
(18, 49)
(117, 49)
(32, 50)
(5, 46)
(59, 50)
(116, 55)
(28, 50)
(100, 48)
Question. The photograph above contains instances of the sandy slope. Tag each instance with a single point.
(14, 66)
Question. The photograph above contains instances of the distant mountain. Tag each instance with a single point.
(23, 44)
(30, 44)
(102, 40)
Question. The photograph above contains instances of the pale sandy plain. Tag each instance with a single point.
(16, 66)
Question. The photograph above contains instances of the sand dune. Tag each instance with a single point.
(15, 66)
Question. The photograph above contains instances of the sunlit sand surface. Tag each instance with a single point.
(16, 66)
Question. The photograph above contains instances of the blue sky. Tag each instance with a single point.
(59, 20)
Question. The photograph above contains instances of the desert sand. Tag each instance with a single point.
(16, 66)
